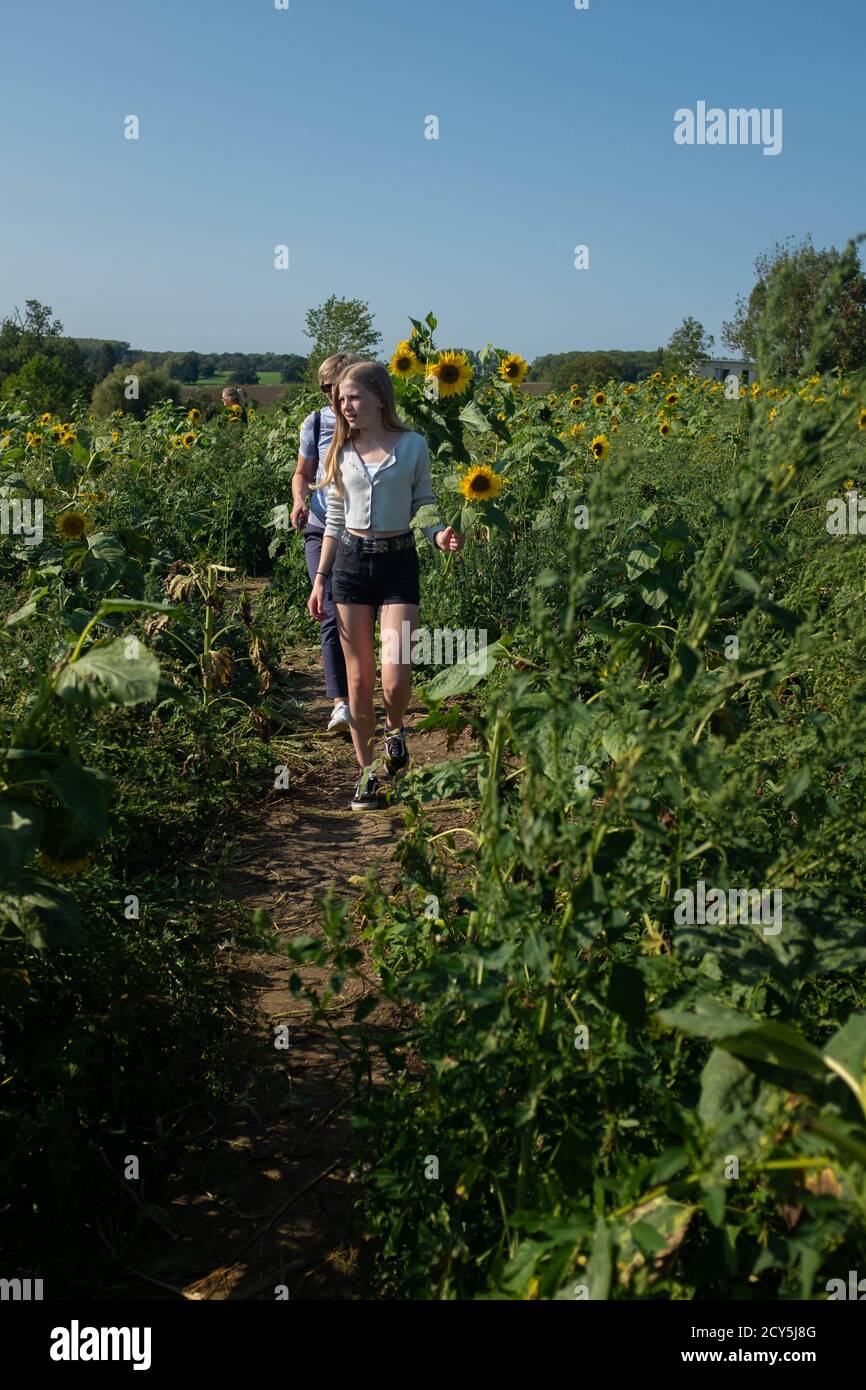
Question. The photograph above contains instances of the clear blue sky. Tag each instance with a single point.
(306, 127)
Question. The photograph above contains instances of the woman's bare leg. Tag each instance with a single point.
(356, 623)
(396, 644)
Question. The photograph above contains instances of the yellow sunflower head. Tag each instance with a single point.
(45, 417)
(480, 482)
(861, 419)
(513, 368)
(600, 447)
(671, 398)
(599, 398)
(665, 428)
(630, 389)
(404, 363)
(656, 376)
(72, 525)
(453, 372)
(188, 439)
(115, 436)
(577, 430)
(57, 431)
(576, 402)
(193, 415)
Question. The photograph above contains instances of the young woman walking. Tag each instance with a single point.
(309, 510)
(378, 475)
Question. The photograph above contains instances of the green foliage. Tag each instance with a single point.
(623, 1104)
(689, 345)
(339, 325)
(563, 369)
(152, 387)
(39, 368)
(789, 299)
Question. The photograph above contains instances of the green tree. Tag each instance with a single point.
(294, 367)
(152, 386)
(791, 280)
(340, 325)
(105, 362)
(182, 366)
(689, 345)
(59, 370)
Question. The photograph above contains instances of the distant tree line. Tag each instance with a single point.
(104, 355)
(796, 286)
(565, 369)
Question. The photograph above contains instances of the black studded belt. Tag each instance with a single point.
(374, 545)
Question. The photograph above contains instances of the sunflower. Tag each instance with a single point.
(513, 368)
(665, 428)
(45, 418)
(188, 439)
(404, 363)
(57, 431)
(193, 414)
(577, 430)
(115, 436)
(656, 376)
(600, 447)
(235, 409)
(848, 484)
(32, 440)
(453, 372)
(599, 398)
(575, 403)
(861, 421)
(671, 398)
(69, 437)
(480, 482)
(72, 525)
(630, 389)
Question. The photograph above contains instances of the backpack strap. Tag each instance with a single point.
(317, 429)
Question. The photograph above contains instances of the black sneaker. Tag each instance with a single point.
(396, 752)
(366, 796)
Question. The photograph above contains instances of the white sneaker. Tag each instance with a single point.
(339, 720)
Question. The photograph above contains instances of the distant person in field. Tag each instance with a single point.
(235, 401)
(309, 511)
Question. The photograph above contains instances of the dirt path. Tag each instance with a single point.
(263, 1197)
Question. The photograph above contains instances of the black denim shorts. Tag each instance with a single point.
(362, 575)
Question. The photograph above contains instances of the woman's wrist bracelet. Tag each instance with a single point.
(325, 574)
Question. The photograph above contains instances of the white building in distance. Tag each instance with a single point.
(720, 368)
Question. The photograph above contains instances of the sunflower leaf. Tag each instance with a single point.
(474, 416)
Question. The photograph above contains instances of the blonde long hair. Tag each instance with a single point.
(375, 377)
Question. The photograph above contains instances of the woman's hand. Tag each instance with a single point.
(316, 601)
(299, 514)
(449, 539)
